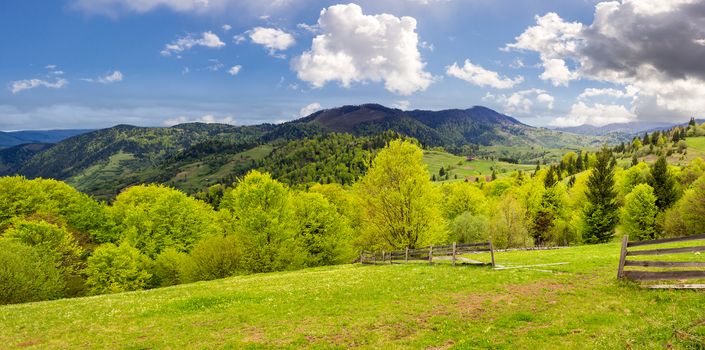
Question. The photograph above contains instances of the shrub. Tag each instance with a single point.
(639, 213)
(27, 275)
(172, 267)
(469, 228)
(114, 269)
(48, 238)
(216, 257)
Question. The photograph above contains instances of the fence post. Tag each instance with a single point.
(430, 255)
(406, 255)
(491, 252)
(622, 256)
(453, 253)
(383, 257)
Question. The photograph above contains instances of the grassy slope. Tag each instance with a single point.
(579, 305)
(435, 160)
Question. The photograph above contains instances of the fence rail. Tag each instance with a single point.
(640, 275)
(441, 252)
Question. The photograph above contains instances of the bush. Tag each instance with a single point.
(469, 228)
(27, 275)
(48, 238)
(172, 267)
(639, 213)
(216, 257)
(114, 269)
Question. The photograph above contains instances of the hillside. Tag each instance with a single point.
(14, 138)
(312, 149)
(577, 305)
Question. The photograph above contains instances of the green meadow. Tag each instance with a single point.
(576, 305)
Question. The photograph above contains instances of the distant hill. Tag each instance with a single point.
(333, 145)
(623, 128)
(14, 138)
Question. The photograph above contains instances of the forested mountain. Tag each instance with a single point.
(334, 145)
(14, 138)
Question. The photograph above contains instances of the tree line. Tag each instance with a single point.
(57, 242)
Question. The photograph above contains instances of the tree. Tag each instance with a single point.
(114, 269)
(320, 232)
(469, 228)
(215, 257)
(600, 213)
(50, 239)
(461, 197)
(663, 183)
(154, 217)
(639, 213)
(401, 205)
(26, 274)
(261, 214)
(692, 207)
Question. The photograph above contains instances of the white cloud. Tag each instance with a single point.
(594, 92)
(596, 114)
(207, 39)
(309, 109)
(353, 47)
(402, 104)
(226, 27)
(234, 70)
(651, 48)
(272, 38)
(479, 76)
(522, 102)
(215, 65)
(208, 119)
(113, 77)
(20, 85)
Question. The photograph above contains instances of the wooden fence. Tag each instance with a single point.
(663, 274)
(442, 252)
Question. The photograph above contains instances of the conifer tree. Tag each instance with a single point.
(601, 211)
(664, 184)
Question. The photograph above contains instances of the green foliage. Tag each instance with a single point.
(320, 231)
(260, 208)
(469, 228)
(172, 267)
(153, 218)
(114, 269)
(399, 201)
(215, 257)
(27, 274)
(53, 241)
(639, 213)
(692, 207)
(663, 183)
(600, 213)
(508, 226)
(460, 197)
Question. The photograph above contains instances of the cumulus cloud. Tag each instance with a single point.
(20, 85)
(522, 102)
(650, 47)
(226, 27)
(353, 47)
(207, 39)
(309, 109)
(479, 76)
(113, 77)
(208, 119)
(596, 114)
(234, 70)
(272, 38)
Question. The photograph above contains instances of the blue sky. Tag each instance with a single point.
(97, 63)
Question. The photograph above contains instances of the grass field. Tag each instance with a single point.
(579, 305)
(463, 168)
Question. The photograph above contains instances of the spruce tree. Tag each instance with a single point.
(663, 183)
(601, 211)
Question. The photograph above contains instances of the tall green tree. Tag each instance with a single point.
(639, 213)
(400, 203)
(600, 214)
(663, 183)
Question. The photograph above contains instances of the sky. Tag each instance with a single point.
(96, 63)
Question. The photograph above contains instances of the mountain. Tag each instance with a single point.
(623, 128)
(333, 145)
(14, 138)
(12, 158)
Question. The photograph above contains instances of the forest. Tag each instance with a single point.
(57, 242)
